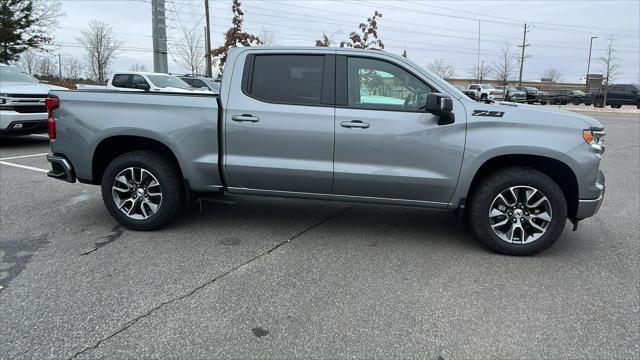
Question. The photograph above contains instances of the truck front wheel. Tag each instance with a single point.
(517, 211)
(142, 190)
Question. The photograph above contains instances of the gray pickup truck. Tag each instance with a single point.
(334, 124)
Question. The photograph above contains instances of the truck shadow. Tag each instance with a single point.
(372, 225)
(23, 141)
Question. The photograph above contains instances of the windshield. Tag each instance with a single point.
(13, 74)
(488, 86)
(163, 81)
(578, 92)
(512, 89)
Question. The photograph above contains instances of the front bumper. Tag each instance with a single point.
(61, 168)
(589, 207)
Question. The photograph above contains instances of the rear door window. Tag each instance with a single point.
(287, 79)
(122, 80)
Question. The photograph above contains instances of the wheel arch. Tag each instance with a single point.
(557, 170)
(108, 149)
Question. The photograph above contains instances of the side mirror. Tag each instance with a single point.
(442, 106)
(143, 86)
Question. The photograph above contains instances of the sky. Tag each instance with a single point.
(558, 36)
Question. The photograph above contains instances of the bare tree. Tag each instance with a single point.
(504, 69)
(553, 74)
(268, 38)
(101, 45)
(442, 68)
(46, 67)
(611, 64)
(479, 73)
(324, 41)
(189, 52)
(368, 38)
(28, 61)
(71, 68)
(138, 67)
(234, 36)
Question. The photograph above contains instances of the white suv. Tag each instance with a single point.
(22, 97)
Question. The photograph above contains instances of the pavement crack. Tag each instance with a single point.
(133, 321)
(115, 234)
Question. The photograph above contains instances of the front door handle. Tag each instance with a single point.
(245, 118)
(356, 124)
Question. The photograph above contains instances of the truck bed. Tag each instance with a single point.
(187, 124)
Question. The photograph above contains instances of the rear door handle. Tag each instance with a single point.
(356, 124)
(245, 118)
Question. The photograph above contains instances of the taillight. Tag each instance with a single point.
(51, 103)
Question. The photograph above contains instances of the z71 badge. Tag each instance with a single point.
(487, 113)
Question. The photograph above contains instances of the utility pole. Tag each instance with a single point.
(59, 66)
(481, 72)
(159, 34)
(524, 45)
(589, 65)
(207, 39)
(478, 63)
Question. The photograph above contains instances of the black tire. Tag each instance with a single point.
(616, 106)
(576, 101)
(495, 183)
(598, 103)
(530, 102)
(168, 177)
(588, 102)
(543, 103)
(483, 97)
(563, 103)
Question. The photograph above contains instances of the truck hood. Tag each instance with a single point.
(27, 88)
(533, 114)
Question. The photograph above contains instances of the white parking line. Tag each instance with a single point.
(23, 166)
(22, 156)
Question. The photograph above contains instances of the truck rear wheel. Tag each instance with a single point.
(517, 211)
(142, 190)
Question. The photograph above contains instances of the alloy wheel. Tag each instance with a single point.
(137, 193)
(520, 214)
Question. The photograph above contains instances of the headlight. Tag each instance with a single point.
(595, 138)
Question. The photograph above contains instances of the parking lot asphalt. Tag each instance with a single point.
(253, 277)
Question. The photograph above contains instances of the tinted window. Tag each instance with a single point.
(617, 88)
(473, 87)
(188, 81)
(292, 79)
(137, 79)
(121, 80)
(376, 84)
(198, 83)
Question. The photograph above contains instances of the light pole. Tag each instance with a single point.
(589, 64)
(481, 71)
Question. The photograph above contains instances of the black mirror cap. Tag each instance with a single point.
(442, 106)
(143, 86)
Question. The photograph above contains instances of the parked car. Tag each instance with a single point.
(470, 93)
(202, 82)
(515, 95)
(618, 95)
(145, 81)
(563, 97)
(22, 109)
(293, 122)
(534, 95)
(484, 92)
